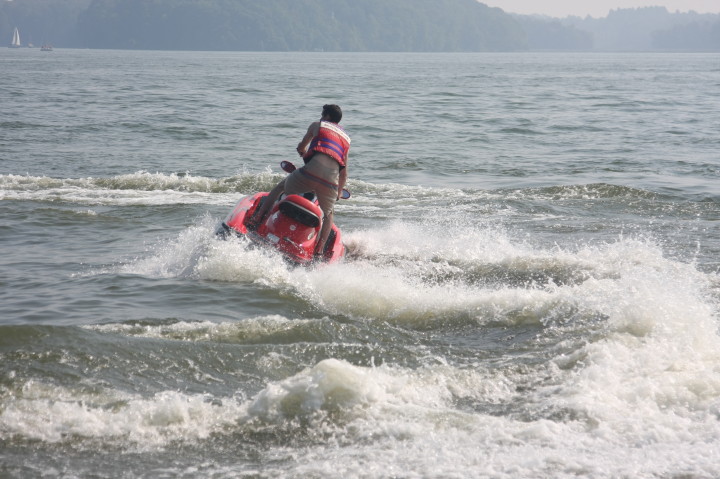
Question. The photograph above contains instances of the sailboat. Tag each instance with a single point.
(16, 39)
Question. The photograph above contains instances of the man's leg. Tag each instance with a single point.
(324, 232)
(267, 203)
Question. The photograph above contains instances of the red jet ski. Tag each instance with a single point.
(292, 226)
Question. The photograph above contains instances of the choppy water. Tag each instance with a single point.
(534, 290)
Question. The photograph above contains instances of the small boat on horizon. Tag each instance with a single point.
(46, 47)
(15, 39)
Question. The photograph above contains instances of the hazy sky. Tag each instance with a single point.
(598, 8)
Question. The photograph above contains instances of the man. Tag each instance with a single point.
(324, 149)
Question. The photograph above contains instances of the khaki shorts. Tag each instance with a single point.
(327, 171)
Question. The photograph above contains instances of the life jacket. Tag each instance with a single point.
(332, 141)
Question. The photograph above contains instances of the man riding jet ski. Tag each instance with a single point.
(324, 150)
(292, 226)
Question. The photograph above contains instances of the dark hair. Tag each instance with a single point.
(333, 111)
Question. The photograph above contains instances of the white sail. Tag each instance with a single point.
(16, 39)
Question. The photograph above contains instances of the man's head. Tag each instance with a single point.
(333, 112)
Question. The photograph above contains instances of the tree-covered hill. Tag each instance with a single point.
(345, 25)
(284, 25)
(306, 25)
(651, 28)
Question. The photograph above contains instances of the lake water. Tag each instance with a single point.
(534, 289)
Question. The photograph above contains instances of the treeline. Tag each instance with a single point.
(543, 33)
(284, 25)
(651, 28)
(694, 36)
(344, 25)
(300, 25)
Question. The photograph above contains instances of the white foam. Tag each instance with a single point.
(141, 188)
(407, 421)
(247, 329)
(403, 280)
(56, 414)
(336, 386)
(385, 420)
(655, 375)
(643, 384)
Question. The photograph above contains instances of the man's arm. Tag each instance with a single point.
(312, 132)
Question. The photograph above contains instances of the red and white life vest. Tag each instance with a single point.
(331, 140)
